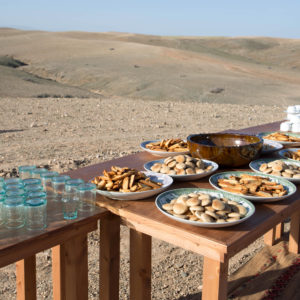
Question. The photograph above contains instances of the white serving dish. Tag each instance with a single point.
(167, 196)
(289, 186)
(281, 153)
(148, 165)
(292, 144)
(160, 153)
(163, 178)
(275, 146)
(255, 165)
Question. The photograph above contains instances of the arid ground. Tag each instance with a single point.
(72, 99)
(201, 69)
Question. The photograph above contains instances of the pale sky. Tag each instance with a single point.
(275, 18)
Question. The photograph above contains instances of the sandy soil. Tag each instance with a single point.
(64, 134)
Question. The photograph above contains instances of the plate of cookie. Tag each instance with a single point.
(166, 147)
(123, 183)
(270, 147)
(286, 139)
(292, 154)
(277, 167)
(204, 207)
(182, 167)
(254, 187)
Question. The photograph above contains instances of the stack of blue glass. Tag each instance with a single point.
(23, 200)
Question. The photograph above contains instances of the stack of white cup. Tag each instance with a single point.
(293, 119)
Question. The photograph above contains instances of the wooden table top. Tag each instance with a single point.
(19, 242)
(144, 216)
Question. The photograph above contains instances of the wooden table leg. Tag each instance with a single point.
(215, 275)
(140, 265)
(294, 240)
(70, 269)
(26, 278)
(274, 234)
(109, 257)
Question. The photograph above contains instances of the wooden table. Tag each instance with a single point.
(69, 253)
(145, 221)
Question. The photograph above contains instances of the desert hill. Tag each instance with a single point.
(202, 69)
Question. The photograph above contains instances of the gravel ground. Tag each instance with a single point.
(64, 134)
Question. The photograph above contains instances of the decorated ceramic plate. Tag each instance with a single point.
(284, 143)
(156, 177)
(255, 165)
(284, 153)
(160, 153)
(270, 146)
(214, 165)
(287, 185)
(168, 196)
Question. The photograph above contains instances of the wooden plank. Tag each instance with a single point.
(279, 229)
(70, 269)
(274, 235)
(294, 241)
(269, 237)
(109, 257)
(58, 274)
(214, 279)
(26, 278)
(140, 265)
(175, 236)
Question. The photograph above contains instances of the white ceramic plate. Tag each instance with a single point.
(167, 196)
(283, 151)
(289, 186)
(255, 165)
(164, 179)
(215, 166)
(160, 153)
(270, 146)
(293, 144)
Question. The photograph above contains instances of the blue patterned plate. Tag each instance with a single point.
(167, 196)
(164, 179)
(160, 153)
(255, 165)
(288, 186)
(270, 146)
(293, 144)
(282, 153)
(148, 165)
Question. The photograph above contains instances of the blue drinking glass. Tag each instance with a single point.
(28, 181)
(13, 186)
(13, 210)
(70, 199)
(87, 196)
(15, 193)
(47, 183)
(37, 194)
(36, 173)
(36, 213)
(34, 188)
(9, 181)
(25, 171)
(58, 186)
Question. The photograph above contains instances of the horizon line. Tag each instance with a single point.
(148, 34)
